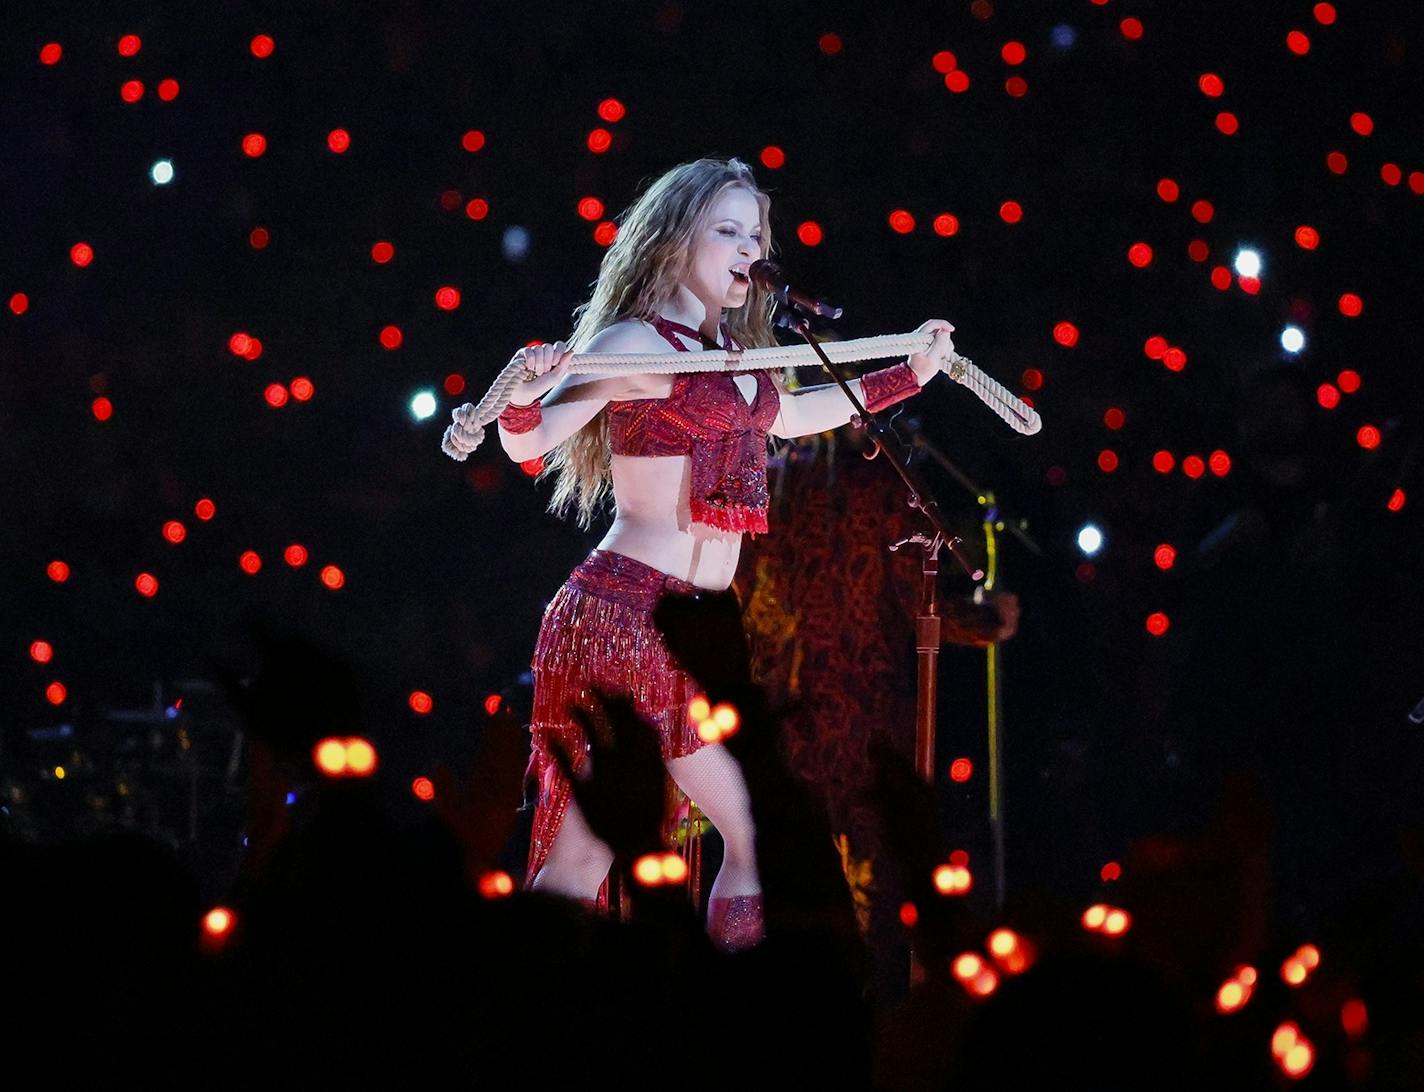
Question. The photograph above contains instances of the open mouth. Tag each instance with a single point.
(740, 276)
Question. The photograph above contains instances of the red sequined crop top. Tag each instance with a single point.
(707, 417)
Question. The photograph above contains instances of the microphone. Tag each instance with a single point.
(770, 279)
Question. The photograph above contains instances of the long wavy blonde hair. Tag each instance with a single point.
(649, 258)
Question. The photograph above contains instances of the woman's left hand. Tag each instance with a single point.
(927, 364)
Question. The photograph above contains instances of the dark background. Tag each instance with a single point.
(1295, 645)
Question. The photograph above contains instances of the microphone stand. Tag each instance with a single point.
(928, 622)
(993, 521)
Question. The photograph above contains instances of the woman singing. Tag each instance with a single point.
(684, 457)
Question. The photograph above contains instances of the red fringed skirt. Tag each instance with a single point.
(598, 632)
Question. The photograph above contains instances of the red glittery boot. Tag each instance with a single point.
(735, 923)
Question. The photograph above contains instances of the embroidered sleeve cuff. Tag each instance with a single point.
(888, 386)
(517, 419)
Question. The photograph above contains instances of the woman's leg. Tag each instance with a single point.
(714, 782)
(577, 862)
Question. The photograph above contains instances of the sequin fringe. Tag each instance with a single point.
(735, 519)
(598, 631)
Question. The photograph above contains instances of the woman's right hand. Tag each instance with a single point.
(544, 365)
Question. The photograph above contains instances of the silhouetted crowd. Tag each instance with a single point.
(362, 952)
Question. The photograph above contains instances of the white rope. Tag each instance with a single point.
(471, 418)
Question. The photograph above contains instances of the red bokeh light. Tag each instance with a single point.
(1193, 466)
(957, 81)
(1416, 182)
(41, 652)
(901, 221)
(1086, 573)
(454, 383)
(102, 409)
(81, 254)
(1203, 211)
(146, 584)
(944, 62)
(773, 157)
(1351, 305)
(1140, 255)
(1210, 85)
(1165, 556)
(1110, 872)
(57, 571)
(391, 337)
(421, 702)
(1396, 500)
(423, 788)
(19, 303)
(447, 298)
(946, 224)
(1174, 359)
(295, 555)
(492, 704)
(1391, 175)
(1220, 463)
(333, 577)
(1016, 87)
(1298, 42)
(258, 238)
(129, 45)
(1011, 212)
(168, 89)
(174, 531)
(1306, 237)
(1154, 347)
(809, 232)
(599, 141)
(1362, 123)
(477, 208)
(1131, 29)
(1221, 278)
(51, 52)
(830, 44)
(1250, 285)
(1327, 395)
(1107, 460)
(590, 208)
(605, 233)
(382, 252)
(1324, 14)
(1066, 334)
(1168, 190)
(1198, 251)
(1158, 623)
(1114, 418)
(611, 110)
(1032, 379)
(276, 395)
(1349, 381)
(338, 140)
(131, 90)
(1013, 52)
(302, 389)
(253, 350)
(250, 562)
(961, 770)
(1228, 123)
(1337, 162)
(253, 145)
(1368, 437)
(55, 693)
(472, 140)
(205, 509)
(262, 46)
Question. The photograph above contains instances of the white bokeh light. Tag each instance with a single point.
(161, 172)
(1292, 339)
(422, 405)
(1248, 262)
(1090, 539)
